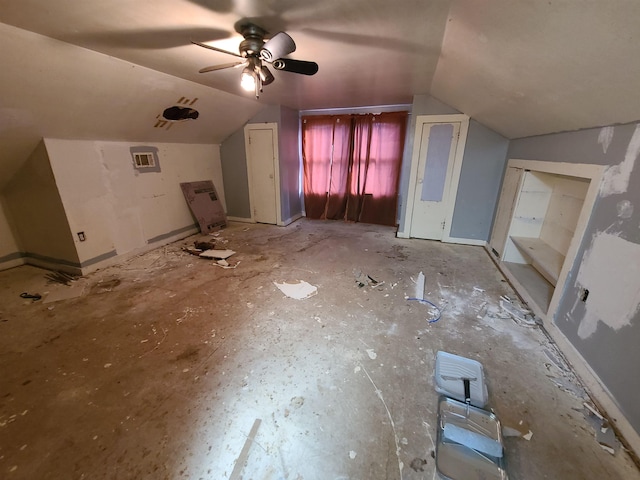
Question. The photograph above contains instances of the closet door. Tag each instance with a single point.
(436, 162)
(262, 170)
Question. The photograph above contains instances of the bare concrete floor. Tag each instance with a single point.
(166, 364)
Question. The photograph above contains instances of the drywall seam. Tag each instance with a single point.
(616, 177)
(609, 270)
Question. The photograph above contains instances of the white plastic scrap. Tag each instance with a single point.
(420, 287)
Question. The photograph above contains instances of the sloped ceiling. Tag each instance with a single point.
(520, 67)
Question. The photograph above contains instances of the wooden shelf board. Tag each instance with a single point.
(532, 286)
(544, 258)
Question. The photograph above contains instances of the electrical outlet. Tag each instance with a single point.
(81, 236)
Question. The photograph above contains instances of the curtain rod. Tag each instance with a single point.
(325, 111)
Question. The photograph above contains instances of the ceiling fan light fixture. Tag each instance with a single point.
(278, 46)
(265, 75)
(248, 79)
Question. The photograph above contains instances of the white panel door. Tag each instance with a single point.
(438, 145)
(262, 170)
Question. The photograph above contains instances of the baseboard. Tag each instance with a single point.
(290, 220)
(461, 241)
(14, 262)
(240, 219)
(465, 241)
(599, 393)
(54, 265)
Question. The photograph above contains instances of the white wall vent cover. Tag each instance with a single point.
(145, 159)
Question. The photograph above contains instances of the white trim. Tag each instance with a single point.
(276, 165)
(290, 220)
(463, 120)
(467, 241)
(16, 262)
(590, 171)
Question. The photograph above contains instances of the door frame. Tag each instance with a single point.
(452, 192)
(276, 167)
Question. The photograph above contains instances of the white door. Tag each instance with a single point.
(262, 171)
(432, 199)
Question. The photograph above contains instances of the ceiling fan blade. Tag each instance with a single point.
(214, 68)
(278, 46)
(296, 66)
(149, 39)
(204, 45)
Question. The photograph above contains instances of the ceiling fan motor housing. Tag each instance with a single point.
(253, 40)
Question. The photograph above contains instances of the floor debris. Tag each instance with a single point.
(364, 280)
(604, 434)
(61, 293)
(217, 254)
(61, 277)
(244, 453)
(224, 264)
(299, 291)
(419, 295)
(204, 245)
(35, 296)
(520, 315)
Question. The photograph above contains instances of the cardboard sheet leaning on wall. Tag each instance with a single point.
(205, 205)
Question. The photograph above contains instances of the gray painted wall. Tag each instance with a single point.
(481, 173)
(233, 157)
(290, 165)
(234, 165)
(483, 165)
(606, 328)
(234, 175)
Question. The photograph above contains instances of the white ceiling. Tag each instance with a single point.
(521, 68)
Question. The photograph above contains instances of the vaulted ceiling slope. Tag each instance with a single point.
(522, 68)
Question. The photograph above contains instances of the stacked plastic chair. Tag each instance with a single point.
(469, 443)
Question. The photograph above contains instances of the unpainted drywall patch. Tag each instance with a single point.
(625, 209)
(610, 270)
(616, 177)
(605, 137)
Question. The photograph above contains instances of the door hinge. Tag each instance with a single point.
(443, 224)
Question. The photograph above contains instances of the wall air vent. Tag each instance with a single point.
(145, 159)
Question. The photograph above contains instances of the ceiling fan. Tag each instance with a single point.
(256, 53)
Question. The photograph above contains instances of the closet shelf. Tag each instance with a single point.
(544, 258)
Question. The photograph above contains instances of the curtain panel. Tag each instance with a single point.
(352, 166)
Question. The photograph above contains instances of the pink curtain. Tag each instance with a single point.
(353, 172)
(325, 147)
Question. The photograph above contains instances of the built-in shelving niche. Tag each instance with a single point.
(543, 210)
